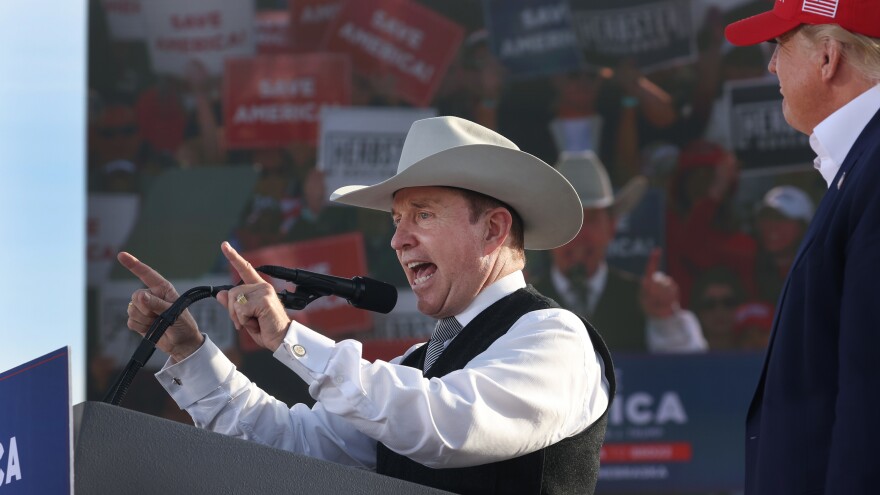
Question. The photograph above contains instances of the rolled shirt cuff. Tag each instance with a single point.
(198, 375)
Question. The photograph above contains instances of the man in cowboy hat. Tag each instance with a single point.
(511, 393)
(634, 315)
(811, 426)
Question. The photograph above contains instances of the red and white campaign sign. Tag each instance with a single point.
(309, 21)
(208, 30)
(623, 452)
(273, 32)
(396, 38)
(274, 100)
(341, 256)
(125, 19)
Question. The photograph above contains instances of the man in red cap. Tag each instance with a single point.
(811, 427)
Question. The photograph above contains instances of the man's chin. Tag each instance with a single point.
(791, 121)
(428, 309)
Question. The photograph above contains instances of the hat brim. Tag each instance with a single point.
(758, 29)
(629, 195)
(547, 203)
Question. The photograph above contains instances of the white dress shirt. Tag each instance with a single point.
(538, 384)
(832, 139)
(678, 332)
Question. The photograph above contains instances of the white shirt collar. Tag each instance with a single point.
(596, 284)
(834, 137)
(502, 287)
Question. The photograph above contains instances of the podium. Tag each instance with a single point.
(121, 451)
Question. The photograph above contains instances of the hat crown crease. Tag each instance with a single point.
(428, 137)
(588, 177)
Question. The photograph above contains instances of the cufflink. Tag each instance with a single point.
(299, 351)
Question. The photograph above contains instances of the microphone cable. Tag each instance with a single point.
(147, 346)
(297, 300)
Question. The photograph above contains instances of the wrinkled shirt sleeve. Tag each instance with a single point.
(679, 332)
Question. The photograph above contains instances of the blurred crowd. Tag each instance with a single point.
(728, 239)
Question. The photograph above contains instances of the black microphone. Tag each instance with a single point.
(361, 292)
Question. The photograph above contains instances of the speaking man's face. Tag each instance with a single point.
(440, 250)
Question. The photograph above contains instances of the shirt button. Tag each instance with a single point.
(339, 380)
(299, 351)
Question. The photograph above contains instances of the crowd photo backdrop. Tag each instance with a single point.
(235, 119)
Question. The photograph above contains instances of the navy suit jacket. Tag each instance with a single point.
(814, 423)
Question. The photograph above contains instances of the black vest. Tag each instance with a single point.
(569, 466)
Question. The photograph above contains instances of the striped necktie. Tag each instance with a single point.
(581, 293)
(445, 330)
(579, 290)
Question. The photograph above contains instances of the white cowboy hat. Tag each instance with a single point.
(587, 174)
(449, 151)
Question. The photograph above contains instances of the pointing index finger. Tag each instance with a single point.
(653, 262)
(245, 270)
(151, 278)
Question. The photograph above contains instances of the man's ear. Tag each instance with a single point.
(832, 57)
(498, 222)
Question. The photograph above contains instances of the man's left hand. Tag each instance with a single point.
(659, 294)
(254, 305)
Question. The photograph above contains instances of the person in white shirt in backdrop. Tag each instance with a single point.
(812, 424)
(635, 315)
(511, 393)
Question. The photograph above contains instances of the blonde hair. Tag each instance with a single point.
(860, 51)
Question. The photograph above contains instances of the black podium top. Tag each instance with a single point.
(121, 451)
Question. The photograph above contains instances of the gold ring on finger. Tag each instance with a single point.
(241, 299)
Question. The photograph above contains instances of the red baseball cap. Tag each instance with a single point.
(856, 16)
(757, 315)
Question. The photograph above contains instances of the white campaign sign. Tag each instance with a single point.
(363, 145)
(117, 342)
(125, 18)
(208, 31)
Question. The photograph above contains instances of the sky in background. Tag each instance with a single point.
(42, 182)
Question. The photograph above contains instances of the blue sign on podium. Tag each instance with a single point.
(35, 427)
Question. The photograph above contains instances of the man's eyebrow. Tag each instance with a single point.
(423, 203)
(418, 203)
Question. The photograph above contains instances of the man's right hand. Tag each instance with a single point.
(659, 292)
(180, 339)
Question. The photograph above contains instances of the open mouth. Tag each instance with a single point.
(421, 271)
